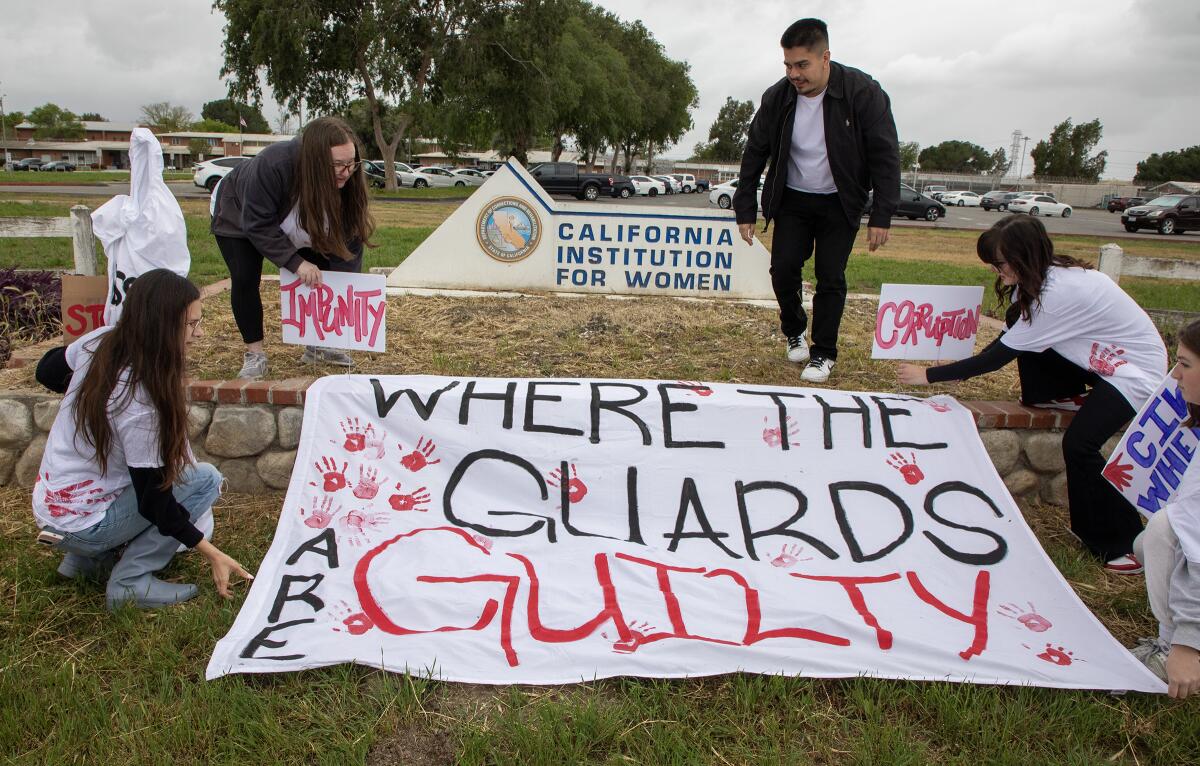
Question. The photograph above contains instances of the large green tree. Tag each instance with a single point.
(910, 152)
(329, 52)
(233, 112)
(167, 117)
(1183, 165)
(52, 121)
(727, 134)
(1067, 153)
(956, 157)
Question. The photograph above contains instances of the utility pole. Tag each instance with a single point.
(1021, 172)
(4, 128)
(1014, 151)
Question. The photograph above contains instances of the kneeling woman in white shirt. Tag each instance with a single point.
(118, 469)
(1170, 547)
(1073, 332)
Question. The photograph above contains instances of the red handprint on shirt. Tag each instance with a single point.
(1031, 619)
(1106, 360)
(419, 457)
(576, 489)
(1120, 474)
(368, 483)
(64, 502)
(906, 466)
(321, 514)
(334, 479)
(411, 501)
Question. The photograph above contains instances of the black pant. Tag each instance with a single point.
(245, 272)
(1102, 518)
(806, 222)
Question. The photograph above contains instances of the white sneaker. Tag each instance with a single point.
(797, 349)
(1152, 654)
(254, 366)
(818, 370)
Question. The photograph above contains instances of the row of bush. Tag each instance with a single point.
(30, 308)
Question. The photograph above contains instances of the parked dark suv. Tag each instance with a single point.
(997, 200)
(1170, 214)
(1117, 204)
(29, 163)
(913, 205)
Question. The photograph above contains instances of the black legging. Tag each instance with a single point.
(245, 272)
(1100, 515)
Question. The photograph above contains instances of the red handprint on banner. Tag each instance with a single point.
(354, 623)
(906, 466)
(936, 406)
(357, 525)
(1057, 655)
(789, 555)
(356, 435)
(419, 457)
(1030, 619)
(638, 632)
(576, 489)
(411, 501)
(368, 483)
(484, 542)
(60, 501)
(700, 389)
(1120, 474)
(373, 445)
(773, 437)
(1106, 360)
(333, 479)
(321, 514)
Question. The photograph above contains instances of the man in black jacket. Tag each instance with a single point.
(829, 134)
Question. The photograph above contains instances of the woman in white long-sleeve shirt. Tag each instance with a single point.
(1170, 549)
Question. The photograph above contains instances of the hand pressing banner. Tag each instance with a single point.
(347, 311)
(550, 531)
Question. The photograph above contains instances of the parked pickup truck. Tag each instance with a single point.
(565, 178)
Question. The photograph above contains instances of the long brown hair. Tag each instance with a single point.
(1189, 338)
(144, 351)
(1021, 241)
(331, 215)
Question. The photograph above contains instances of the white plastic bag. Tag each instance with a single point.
(142, 230)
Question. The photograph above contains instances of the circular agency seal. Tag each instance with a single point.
(508, 229)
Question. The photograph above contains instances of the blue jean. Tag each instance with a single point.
(196, 489)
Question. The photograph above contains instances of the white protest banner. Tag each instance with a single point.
(512, 235)
(550, 531)
(937, 322)
(346, 311)
(1148, 464)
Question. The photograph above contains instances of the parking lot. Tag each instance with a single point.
(1083, 221)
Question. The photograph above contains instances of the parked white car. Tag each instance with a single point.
(647, 186)
(433, 176)
(960, 199)
(1039, 205)
(687, 180)
(472, 177)
(721, 195)
(209, 172)
(673, 185)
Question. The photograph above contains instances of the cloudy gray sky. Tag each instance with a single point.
(959, 70)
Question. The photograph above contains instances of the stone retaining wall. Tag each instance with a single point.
(250, 431)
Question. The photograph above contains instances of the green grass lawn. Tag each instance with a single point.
(78, 177)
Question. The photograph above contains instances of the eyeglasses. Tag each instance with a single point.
(347, 167)
(193, 325)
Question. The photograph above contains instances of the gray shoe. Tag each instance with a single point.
(1152, 654)
(73, 565)
(318, 355)
(254, 366)
(133, 581)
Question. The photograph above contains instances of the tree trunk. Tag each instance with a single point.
(556, 149)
